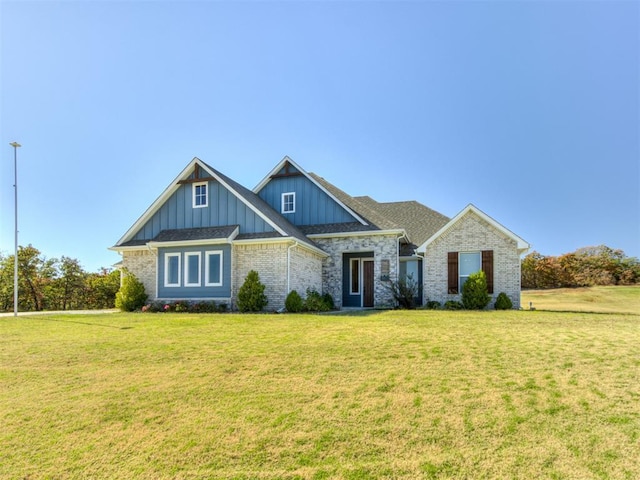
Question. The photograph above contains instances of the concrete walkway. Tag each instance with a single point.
(60, 312)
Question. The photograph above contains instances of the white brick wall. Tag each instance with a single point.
(471, 233)
(142, 263)
(270, 261)
(384, 247)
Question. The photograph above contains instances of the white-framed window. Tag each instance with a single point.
(213, 269)
(172, 270)
(354, 276)
(468, 263)
(200, 194)
(192, 269)
(289, 202)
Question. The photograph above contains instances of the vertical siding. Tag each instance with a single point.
(224, 209)
(313, 206)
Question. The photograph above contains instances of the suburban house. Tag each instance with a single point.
(205, 232)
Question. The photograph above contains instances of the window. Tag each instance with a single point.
(355, 276)
(469, 262)
(172, 270)
(192, 269)
(289, 202)
(200, 197)
(214, 269)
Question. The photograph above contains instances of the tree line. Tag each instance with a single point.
(586, 267)
(54, 284)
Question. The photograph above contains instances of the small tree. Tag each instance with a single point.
(251, 297)
(475, 294)
(131, 295)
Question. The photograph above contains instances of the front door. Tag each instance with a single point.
(357, 280)
(367, 283)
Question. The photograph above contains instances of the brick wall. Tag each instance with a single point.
(270, 261)
(142, 263)
(472, 233)
(384, 247)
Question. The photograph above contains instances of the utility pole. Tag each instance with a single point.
(15, 146)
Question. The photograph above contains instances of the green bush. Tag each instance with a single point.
(433, 305)
(328, 301)
(293, 302)
(453, 305)
(316, 302)
(475, 294)
(251, 297)
(131, 295)
(503, 302)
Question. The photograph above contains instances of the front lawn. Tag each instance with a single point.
(428, 394)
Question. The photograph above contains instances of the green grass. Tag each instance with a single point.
(618, 299)
(401, 395)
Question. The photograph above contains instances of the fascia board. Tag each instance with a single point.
(367, 233)
(127, 249)
(521, 245)
(279, 166)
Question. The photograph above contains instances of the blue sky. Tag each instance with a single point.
(530, 110)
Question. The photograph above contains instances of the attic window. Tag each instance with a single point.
(200, 197)
(289, 202)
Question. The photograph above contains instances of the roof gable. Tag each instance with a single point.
(287, 169)
(522, 245)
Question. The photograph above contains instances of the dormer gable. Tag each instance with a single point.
(301, 199)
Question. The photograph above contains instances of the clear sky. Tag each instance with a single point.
(530, 110)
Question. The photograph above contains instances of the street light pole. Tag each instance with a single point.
(15, 146)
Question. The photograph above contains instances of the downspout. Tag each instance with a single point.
(295, 244)
(157, 280)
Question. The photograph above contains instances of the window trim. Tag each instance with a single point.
(208, 255)
(460, 276)
(283, 202)
(187, 269)
(195, 196)
(167, 256)
(359, 273)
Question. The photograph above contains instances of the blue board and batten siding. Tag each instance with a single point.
(200, 292)
(224, 208)
(312, 205)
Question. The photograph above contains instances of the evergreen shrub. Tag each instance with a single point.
(503, 302)
(251, 297)
(293, 303)
(131, 295)
(475, 293)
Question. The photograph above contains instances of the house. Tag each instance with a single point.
(205, 232)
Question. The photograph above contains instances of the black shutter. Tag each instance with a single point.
(487, 268)
(452, 262)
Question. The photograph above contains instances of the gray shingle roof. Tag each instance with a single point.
(336, 228)
(203, 233)
(419, 221)
(262, 206)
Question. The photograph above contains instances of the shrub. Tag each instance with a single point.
(131, 295)
(503, 302)
(405, 291)
(433, 305)
(328, 301)
(293, 302)
(453, 305)
(316, 302)
(475, 294)
(251, 297)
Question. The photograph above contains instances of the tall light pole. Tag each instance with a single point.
(15, 146)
